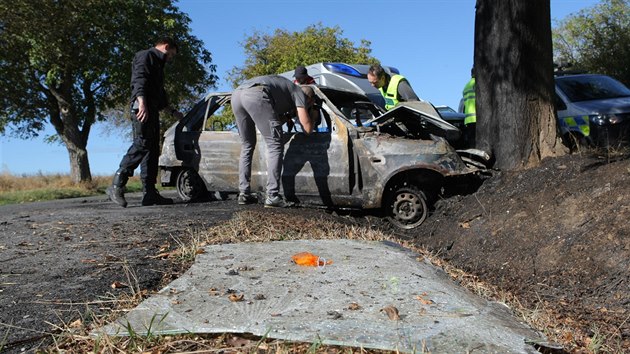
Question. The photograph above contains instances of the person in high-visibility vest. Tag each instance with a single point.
(470, 110)
(394, 88)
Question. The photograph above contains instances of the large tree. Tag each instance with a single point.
(597, 39)
(514, 82)
(68, 63)
(284, 50)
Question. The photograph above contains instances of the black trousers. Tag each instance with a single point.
(145, 149)
(470, 135)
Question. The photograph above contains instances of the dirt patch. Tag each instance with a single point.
(555, 238)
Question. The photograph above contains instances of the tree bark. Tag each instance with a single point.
(79, 164)
(514, 82)
(63, 117)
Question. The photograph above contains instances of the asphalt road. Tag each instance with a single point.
(58, 259)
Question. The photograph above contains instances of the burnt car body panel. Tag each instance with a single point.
(340, 165)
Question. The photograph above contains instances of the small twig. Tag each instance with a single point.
(52, 302)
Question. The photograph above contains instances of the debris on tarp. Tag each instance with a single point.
(310, 260)
(392, 312)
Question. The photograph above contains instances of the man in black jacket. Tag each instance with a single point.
(148, 98)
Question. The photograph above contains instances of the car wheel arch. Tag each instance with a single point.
(407, 197)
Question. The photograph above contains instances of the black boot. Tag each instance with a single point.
(152, 197)
(116, 191)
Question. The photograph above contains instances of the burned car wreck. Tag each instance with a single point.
(357, 158)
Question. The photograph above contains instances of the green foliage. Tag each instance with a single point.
(283, 50)
(597, 39)
(68, 62)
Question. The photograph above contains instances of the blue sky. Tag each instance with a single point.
(429, 41)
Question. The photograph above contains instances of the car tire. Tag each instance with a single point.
(190, 186)
(406, 206)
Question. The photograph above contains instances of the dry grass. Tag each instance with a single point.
(41, 187)
(12, 183)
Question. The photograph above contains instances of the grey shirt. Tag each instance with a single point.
(286, 95)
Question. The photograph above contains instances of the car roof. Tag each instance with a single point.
(350, 77)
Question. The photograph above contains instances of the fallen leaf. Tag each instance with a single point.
(464, 225)
(237, 342)
(391, 312)
(119, 285)
(236, 298)
(354, 306)
(424, 301)
(200, 251)
(163, 255)
(76, 324)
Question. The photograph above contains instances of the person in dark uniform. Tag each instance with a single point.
(394, 88)
(266, 103)
(148, 98)
(302, 77)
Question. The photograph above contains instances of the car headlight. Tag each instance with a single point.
(606, 119)
(614, 119)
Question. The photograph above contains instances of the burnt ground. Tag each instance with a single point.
(554, 238)
(557, 237)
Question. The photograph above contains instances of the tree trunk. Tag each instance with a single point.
(514, 82)
(71, 130)
(79, 164)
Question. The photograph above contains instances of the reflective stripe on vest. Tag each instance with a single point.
(578, 123)
(391, 96)
(470, 102)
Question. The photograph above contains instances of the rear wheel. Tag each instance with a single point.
(406, 206)
(190, 186)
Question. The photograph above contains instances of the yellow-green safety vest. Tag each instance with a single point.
(576, 123)
(470, 102)
(391, 95)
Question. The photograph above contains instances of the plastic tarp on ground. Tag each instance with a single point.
(256, 288)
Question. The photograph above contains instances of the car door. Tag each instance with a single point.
(316, 167)
(220, 146)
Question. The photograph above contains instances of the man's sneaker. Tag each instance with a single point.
(247, 198)
(277, 202)
(117, 195)
(153, 197)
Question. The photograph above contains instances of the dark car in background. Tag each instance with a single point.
(456, 119)
(593, 110)
(398, 162)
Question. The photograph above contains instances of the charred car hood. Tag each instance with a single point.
(421, 111)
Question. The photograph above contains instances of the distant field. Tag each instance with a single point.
(16, 189)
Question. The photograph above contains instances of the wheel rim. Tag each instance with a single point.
(188, 185)
(408, 209)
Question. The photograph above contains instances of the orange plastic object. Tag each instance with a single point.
(310, 260)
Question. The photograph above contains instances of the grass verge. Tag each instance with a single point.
(40, 187)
